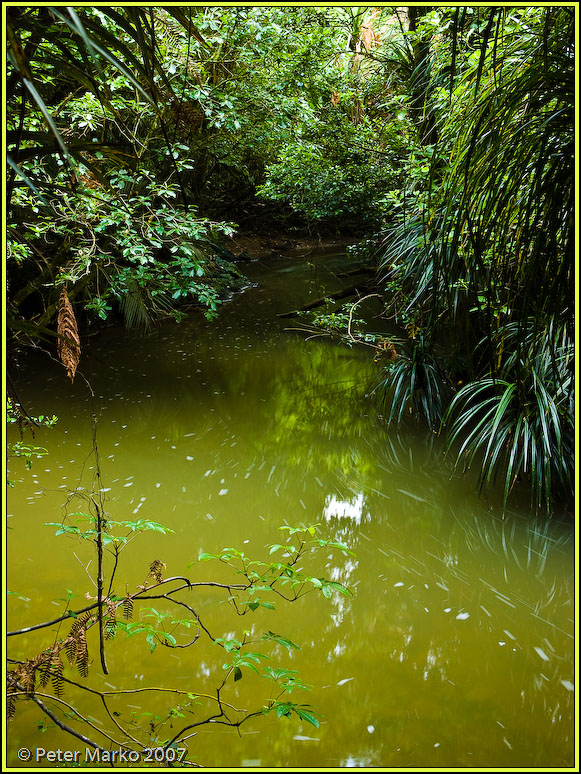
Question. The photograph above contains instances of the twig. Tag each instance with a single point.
(215, 719)
(138, 595)
(68, 614)
(371, 295)
(64, 726)
(86, 569)
(153, 688)
(77, 713)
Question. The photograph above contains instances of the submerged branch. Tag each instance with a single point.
(344, 293)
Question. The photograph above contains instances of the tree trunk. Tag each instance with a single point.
(420, 79)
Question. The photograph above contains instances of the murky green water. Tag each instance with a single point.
(456, 648)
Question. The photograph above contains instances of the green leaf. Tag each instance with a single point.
(229, 645)
(44, 110)
(289, 644)
(308, 716)
(204, 557)
(26, 179)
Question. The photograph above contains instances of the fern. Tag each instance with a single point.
(70, 647)
(69, 344)
(128, 608)
(10, 708)
(111, 623)
(82, 654)
(44, 668)
(56, 673)
(155, 570)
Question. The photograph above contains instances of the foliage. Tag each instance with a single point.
(332, 172)
(136, 135)
(16, 415)
(524, 426)
(494, 225)
(256, 585)
(412, 384)
(95, 200)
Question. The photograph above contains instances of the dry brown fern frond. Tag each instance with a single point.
(82, 654)
(188, 113)
(69, 344)
(110, 628)
(155, 570)
(56, 673)
(81, 622)
(44, 667)
(111, 622)
(49, 666)
(10, 708)
(26, 676)
(11, 688)
(71, 649)
(75, 645)
(128, 608)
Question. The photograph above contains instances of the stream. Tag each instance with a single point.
(456, 648)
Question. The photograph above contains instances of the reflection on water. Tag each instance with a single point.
(457, 647)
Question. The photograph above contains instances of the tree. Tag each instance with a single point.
(94, 177)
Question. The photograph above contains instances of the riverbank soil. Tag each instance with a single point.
(246, 245)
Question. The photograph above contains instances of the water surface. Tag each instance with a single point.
(456, 648)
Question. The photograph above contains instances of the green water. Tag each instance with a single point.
(456, 648)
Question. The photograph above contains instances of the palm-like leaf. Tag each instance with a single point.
(412, 385)
(522, 427)
(488, 269)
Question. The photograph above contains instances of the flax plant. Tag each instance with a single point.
(485, 269)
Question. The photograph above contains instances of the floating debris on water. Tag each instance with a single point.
(542, 653)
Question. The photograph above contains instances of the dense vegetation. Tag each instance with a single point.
(438, 139)
(138, 138)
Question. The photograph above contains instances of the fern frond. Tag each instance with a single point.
(44, 667)
(82, 654)
(155, 570)
(56, 673)
(69, 344)
(27, 677)
(111, 623)
(128, 608)
(70, 647)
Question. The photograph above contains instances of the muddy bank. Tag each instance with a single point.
(251, 245)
